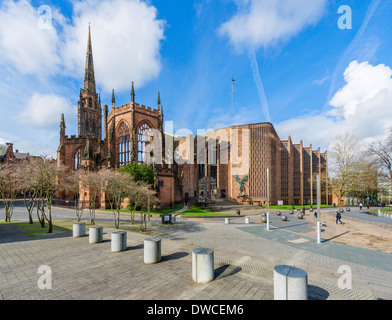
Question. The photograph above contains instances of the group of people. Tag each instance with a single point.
(338, 217)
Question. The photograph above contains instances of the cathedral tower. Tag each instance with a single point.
(89, 105)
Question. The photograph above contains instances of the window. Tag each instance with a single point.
(90, 102)
(77, 159)
(124, 146)
(141, 141)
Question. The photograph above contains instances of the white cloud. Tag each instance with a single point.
(260, 23)
(44, 110)
(126, 38)
(25, 46)
(363, 107)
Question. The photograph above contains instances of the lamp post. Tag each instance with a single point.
(268, 220)
(318, 210)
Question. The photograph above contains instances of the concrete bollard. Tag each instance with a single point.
(290, 283)
(119, 241)
(247, 220)
(152, 250)
(95, 234)
(202, 265)
(227, 220)
(79, 229)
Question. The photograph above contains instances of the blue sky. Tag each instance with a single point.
(293, 65)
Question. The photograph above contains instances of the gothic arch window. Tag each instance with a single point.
(141, 141)
(124, 145)
(77, 159)
(90, 103)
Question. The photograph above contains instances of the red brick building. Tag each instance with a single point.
(226, 163)
(124, 136)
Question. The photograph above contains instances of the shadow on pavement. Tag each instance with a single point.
(317, 293)
(174, 256)
(226, 271)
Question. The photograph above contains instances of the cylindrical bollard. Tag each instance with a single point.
(247, 220)
(227, 220)
(318, 232)
(119, 241)
(79, 229)
(290, 283)
(95, 234)
(152, 250)
(202, 265)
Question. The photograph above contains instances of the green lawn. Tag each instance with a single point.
(385, 210)
(287, 207)
(152, 211)
(196, 211)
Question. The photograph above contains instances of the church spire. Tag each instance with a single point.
(113, 98)
(133, 93)
(89, 78)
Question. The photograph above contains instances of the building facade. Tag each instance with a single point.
(124, 136)
(230, 162)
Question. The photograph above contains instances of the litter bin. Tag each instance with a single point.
(167, 218)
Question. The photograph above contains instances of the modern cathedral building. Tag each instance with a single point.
(230, 162)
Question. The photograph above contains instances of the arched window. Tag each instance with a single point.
(77, 159)
(141, 141)
(90, 102)
(124, 146)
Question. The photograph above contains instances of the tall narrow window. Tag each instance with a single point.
(77, 159)
(124, 146)
(141, 141)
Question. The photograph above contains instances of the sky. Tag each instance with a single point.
(312, 69)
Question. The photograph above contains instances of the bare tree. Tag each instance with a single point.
(8, 189)
(381, 153)
(91, 183)
(114, 185)
(346, 153)
(45, 181)
(71, 183)
(24, 177)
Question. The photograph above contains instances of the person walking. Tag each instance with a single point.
(360, 206)
(338, 217)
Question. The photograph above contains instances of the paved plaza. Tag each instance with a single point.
(245, 255)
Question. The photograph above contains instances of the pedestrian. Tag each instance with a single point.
(368, 205)
(315, 216)
(338, 217)
(360, 206)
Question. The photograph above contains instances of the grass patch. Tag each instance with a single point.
(152, 211)
(386, 210)
(16, 221)
(196, 211)
(287, 207)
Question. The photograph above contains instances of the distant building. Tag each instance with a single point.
(7, 155)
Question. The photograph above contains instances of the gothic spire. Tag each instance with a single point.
(89, 77)
(62, 123)
(159, 98)
(133, 93)
(113, 98)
